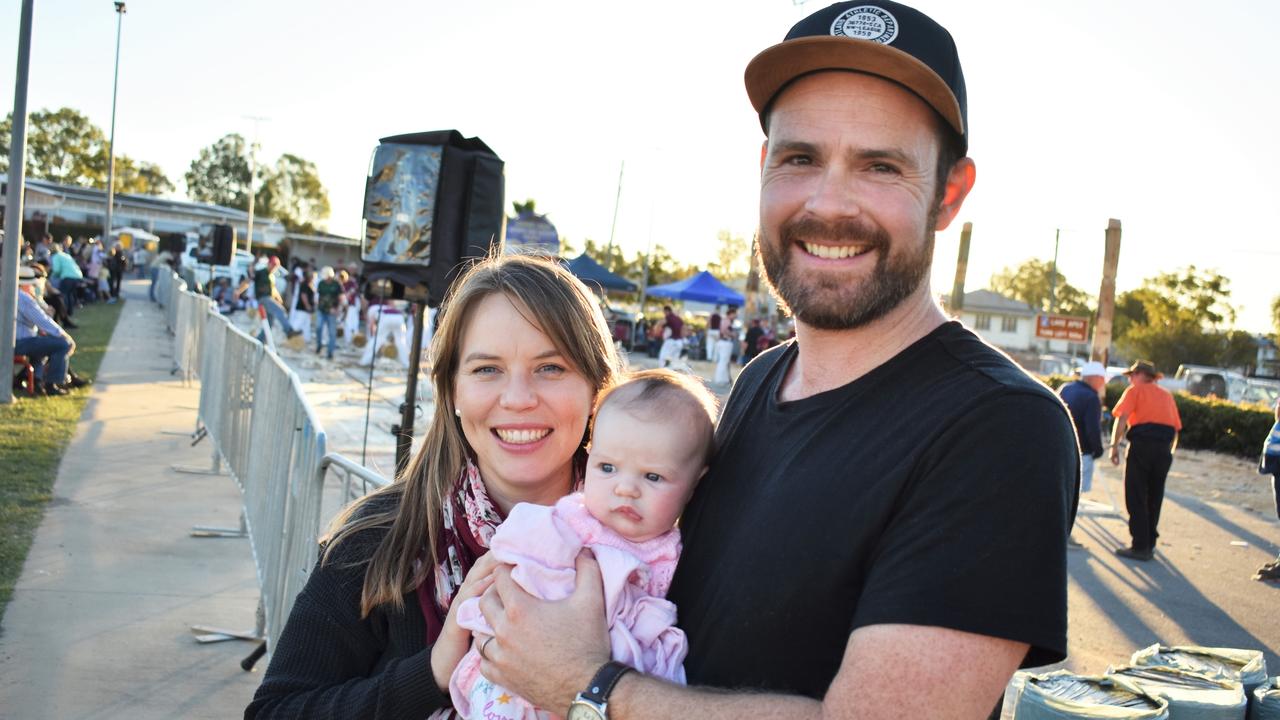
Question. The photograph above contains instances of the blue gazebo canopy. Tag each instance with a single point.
(594, 274)
(703, 287)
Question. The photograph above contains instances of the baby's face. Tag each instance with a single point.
(640, 474)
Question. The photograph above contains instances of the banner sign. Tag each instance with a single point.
(1062, 327)
(531, 232)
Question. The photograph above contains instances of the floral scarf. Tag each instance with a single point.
(470, 520)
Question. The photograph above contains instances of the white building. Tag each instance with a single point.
(1009, 324)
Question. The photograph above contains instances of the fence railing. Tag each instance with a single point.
(254, 410)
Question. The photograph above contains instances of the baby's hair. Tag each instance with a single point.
(666, 393)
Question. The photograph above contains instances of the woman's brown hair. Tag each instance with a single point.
(561, 307)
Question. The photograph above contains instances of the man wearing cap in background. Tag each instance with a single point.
(46, 345)
(1084, 399)
(1148, 417)
(883, 532)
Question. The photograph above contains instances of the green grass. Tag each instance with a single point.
(34, 432)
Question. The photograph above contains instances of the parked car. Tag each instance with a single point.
(1220, 382)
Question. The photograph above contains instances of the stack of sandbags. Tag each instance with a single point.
(1265, 701)
(1062, 695)
(1249, 667)
(1191, 696)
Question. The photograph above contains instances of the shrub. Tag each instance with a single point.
(1207, 423)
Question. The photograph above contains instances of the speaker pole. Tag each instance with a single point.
(404, 440)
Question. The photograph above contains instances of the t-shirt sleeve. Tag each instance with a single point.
(978, 542)
(1125, 405)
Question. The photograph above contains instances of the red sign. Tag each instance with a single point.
(1062, 327)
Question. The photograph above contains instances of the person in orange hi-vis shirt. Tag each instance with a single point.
(1148, 417)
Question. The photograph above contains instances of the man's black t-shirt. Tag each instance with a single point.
(935, 490)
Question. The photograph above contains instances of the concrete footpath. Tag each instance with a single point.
(99, 622)
(99, 625)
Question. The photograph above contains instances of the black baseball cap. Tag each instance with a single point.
(880, 38)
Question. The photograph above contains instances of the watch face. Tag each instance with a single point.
(583, 710)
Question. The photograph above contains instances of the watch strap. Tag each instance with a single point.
(602, 683)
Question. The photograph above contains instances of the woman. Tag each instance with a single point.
(520, 353)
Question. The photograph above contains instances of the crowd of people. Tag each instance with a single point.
(55, 279)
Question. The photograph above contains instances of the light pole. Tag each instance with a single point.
(111, 147)
(253, 164)
(13, 200)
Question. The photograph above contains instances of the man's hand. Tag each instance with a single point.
(1115, 455)
(546, 651)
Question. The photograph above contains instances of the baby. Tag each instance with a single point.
(651, 440)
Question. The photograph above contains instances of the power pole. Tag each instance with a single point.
(1107, 294)
(253, 142)
(617, 200)
(13, 200)
(111, 146)
(962, 270)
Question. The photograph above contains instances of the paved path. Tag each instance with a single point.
(99, 624)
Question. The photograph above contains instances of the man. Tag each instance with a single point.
(1083, 399)
(713, 332)
(883, 532)
(46, 345)
(673, 337)
(1148, 417)
(264, 289)
(751, 343)
(44, 250)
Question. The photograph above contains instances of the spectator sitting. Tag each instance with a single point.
(53, 301)
(68, 277)
(46, 345)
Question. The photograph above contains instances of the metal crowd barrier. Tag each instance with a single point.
(254, 410)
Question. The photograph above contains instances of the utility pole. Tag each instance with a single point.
(962, 270)
(13, 199)
(617, 200)
(1107, 294)
(253, 145)
(111, 146)
(1053, 274)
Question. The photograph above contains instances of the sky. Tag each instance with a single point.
(1159, 113)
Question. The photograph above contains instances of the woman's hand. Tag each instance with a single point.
(454, 641)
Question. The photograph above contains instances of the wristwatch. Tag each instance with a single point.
(593, 703)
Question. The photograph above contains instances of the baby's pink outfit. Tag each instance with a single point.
(543, 543)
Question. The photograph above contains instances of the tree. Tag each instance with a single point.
(733, 257)
(293, 194)
(220, 174)
(63, 146)
(1182, 317)
(1032, 282)
(289, 191)
(1275, 317)
(142, 178)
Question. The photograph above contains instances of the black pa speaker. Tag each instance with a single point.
(224, 244)
(433, 200)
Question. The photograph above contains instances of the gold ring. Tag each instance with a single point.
(484, 645)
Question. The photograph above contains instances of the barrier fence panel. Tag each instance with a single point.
(254, 410)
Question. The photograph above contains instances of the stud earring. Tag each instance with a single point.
(457, 412)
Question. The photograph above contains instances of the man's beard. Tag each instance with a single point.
(834, 301)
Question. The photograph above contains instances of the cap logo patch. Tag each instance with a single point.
(866, 22)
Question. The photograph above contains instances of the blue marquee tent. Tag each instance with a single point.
(703, 287)
(595, 275)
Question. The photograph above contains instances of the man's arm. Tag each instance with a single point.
(1118, 429)
(548, 651)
